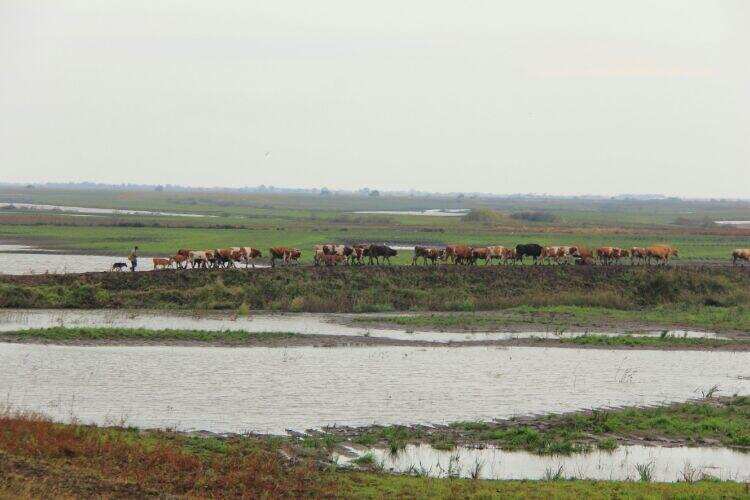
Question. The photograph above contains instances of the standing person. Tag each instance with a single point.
(133, 258)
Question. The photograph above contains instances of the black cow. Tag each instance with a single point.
(531, 249)
(377, 251)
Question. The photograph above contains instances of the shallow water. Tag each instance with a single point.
(99, 211)
(669, 464)
(273, 389)
(19, 259)
(436, 212)
(302, 323)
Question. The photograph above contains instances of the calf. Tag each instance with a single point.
(161, 263)
(285, 254)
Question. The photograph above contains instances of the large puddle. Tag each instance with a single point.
(92, 211)
(622, 464)
(306, 324)
(273, 389)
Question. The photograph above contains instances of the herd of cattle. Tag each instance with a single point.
(333, 254)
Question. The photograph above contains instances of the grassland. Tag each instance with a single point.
(41, 459)
(712, 421)
(566, 318)
(303, 220)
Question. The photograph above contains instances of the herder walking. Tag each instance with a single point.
(133, 258)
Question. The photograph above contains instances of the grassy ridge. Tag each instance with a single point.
(724, 421)
(72, 334)
(384, 288)
(41, 459)
(571, 317)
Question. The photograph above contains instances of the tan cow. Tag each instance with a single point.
(481, 253)
(161, 263)
(496, 252)
(638, 254)
(660, 253)
(740, 254)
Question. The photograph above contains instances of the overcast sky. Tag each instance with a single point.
(589, 96)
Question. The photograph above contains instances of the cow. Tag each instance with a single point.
(605, 254)
(637, 254)
(532, 250)
(161, 263)
(184, 252)
(496, 252)
(427, 253)
(198, 259)
(225, 256)
(358, 251)
(482, 253)
(740, 254)
(180, 261)
(285, 254)
(552, 254)
(660, 253)
(510, 256)
(458, 254)
(581, 254)
(375, 252)
(333, 259)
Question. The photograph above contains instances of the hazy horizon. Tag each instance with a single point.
(591, 98)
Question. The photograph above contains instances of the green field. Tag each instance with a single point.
(303, 220)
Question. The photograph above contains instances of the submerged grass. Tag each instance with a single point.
(703, 317)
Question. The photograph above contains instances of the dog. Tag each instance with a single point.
(119, 266)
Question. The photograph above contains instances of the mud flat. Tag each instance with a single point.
(273, 389)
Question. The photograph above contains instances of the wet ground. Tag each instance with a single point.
(21, 259)
(273, 389)
(665, 464)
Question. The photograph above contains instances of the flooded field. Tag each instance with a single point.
(665, 464)
(301, 323)
(273, 389)
(20, 259)
(91, 211)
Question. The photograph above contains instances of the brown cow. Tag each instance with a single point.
(287, 255)
(660, 253)
(225, 257)
(180, 261)
(458, 254)
(510, 256)
(161, 263)
(333, 259)
(426, 253)
(358, 252)
(605, 254)
(740, 254)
